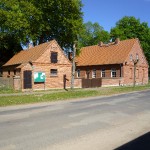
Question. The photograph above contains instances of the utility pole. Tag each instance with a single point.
(73, 65)
(134, 79)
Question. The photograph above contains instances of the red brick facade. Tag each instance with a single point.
(124, 71)
(43, 64)
(121, 72)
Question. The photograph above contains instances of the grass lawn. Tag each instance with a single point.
(7, 90)
(65, 95)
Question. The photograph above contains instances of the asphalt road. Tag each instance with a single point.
(94, 123)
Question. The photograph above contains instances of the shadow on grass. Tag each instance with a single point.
(141, 143)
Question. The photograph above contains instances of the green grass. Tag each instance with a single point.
(5, 90)
(65, 95)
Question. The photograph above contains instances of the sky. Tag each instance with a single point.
(108, 12)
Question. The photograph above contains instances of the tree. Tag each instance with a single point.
(40, 21)
(92, 33)
(60, 20)
(130, 27)
(16, 23)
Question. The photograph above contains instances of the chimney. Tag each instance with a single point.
(117, 40)
(30, 45)
(70, 56)
(100, 43)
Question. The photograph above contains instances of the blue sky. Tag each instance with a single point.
(108, 12)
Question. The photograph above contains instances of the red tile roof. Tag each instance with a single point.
(31, 54)
(107, 54)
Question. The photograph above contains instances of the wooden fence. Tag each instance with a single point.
(89, 83)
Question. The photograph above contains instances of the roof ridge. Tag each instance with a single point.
(107, 54)
(48, 43)
(108, 44)
(29, 54)
(38, 45)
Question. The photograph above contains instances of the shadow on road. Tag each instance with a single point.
(141, 143)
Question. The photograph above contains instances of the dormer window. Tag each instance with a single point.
(54, 57)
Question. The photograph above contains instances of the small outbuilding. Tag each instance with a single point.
(44, 66)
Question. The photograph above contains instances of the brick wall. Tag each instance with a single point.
(43, 64)
(125, 70)
(10, 71)
(17, 83)
(53, 81)
(141, 67)
(78, 83)
(112, 82)
(6, 82)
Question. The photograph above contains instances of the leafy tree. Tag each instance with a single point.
(61, 20)
(16, 23)
(19, 18)
(130, 27)
(92, 34)
(42, 20)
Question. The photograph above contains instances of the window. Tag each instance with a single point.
(53, 72)
(131, 58)
(53, 57)
(113, 73)
(94, 73)
(78, 73)
(103, 73)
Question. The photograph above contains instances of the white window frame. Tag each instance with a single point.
(131, 57)
(113, 73)
(94, 73)
(53, 72)
(103, 73)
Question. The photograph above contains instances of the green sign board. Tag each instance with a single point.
(39, 77)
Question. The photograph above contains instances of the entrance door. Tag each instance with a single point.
(27, 79)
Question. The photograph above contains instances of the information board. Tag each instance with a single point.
(39, 77)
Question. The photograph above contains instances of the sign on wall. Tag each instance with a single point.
(39, 77)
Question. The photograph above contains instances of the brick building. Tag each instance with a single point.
(41, 67)
(116, 63)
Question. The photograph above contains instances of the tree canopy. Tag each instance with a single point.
(40, 21)
(130, 27)
(92, 33)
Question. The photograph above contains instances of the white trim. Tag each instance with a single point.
(94, 73)
(102, 71)
(113, 70)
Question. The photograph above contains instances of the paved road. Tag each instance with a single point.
(94, 123)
